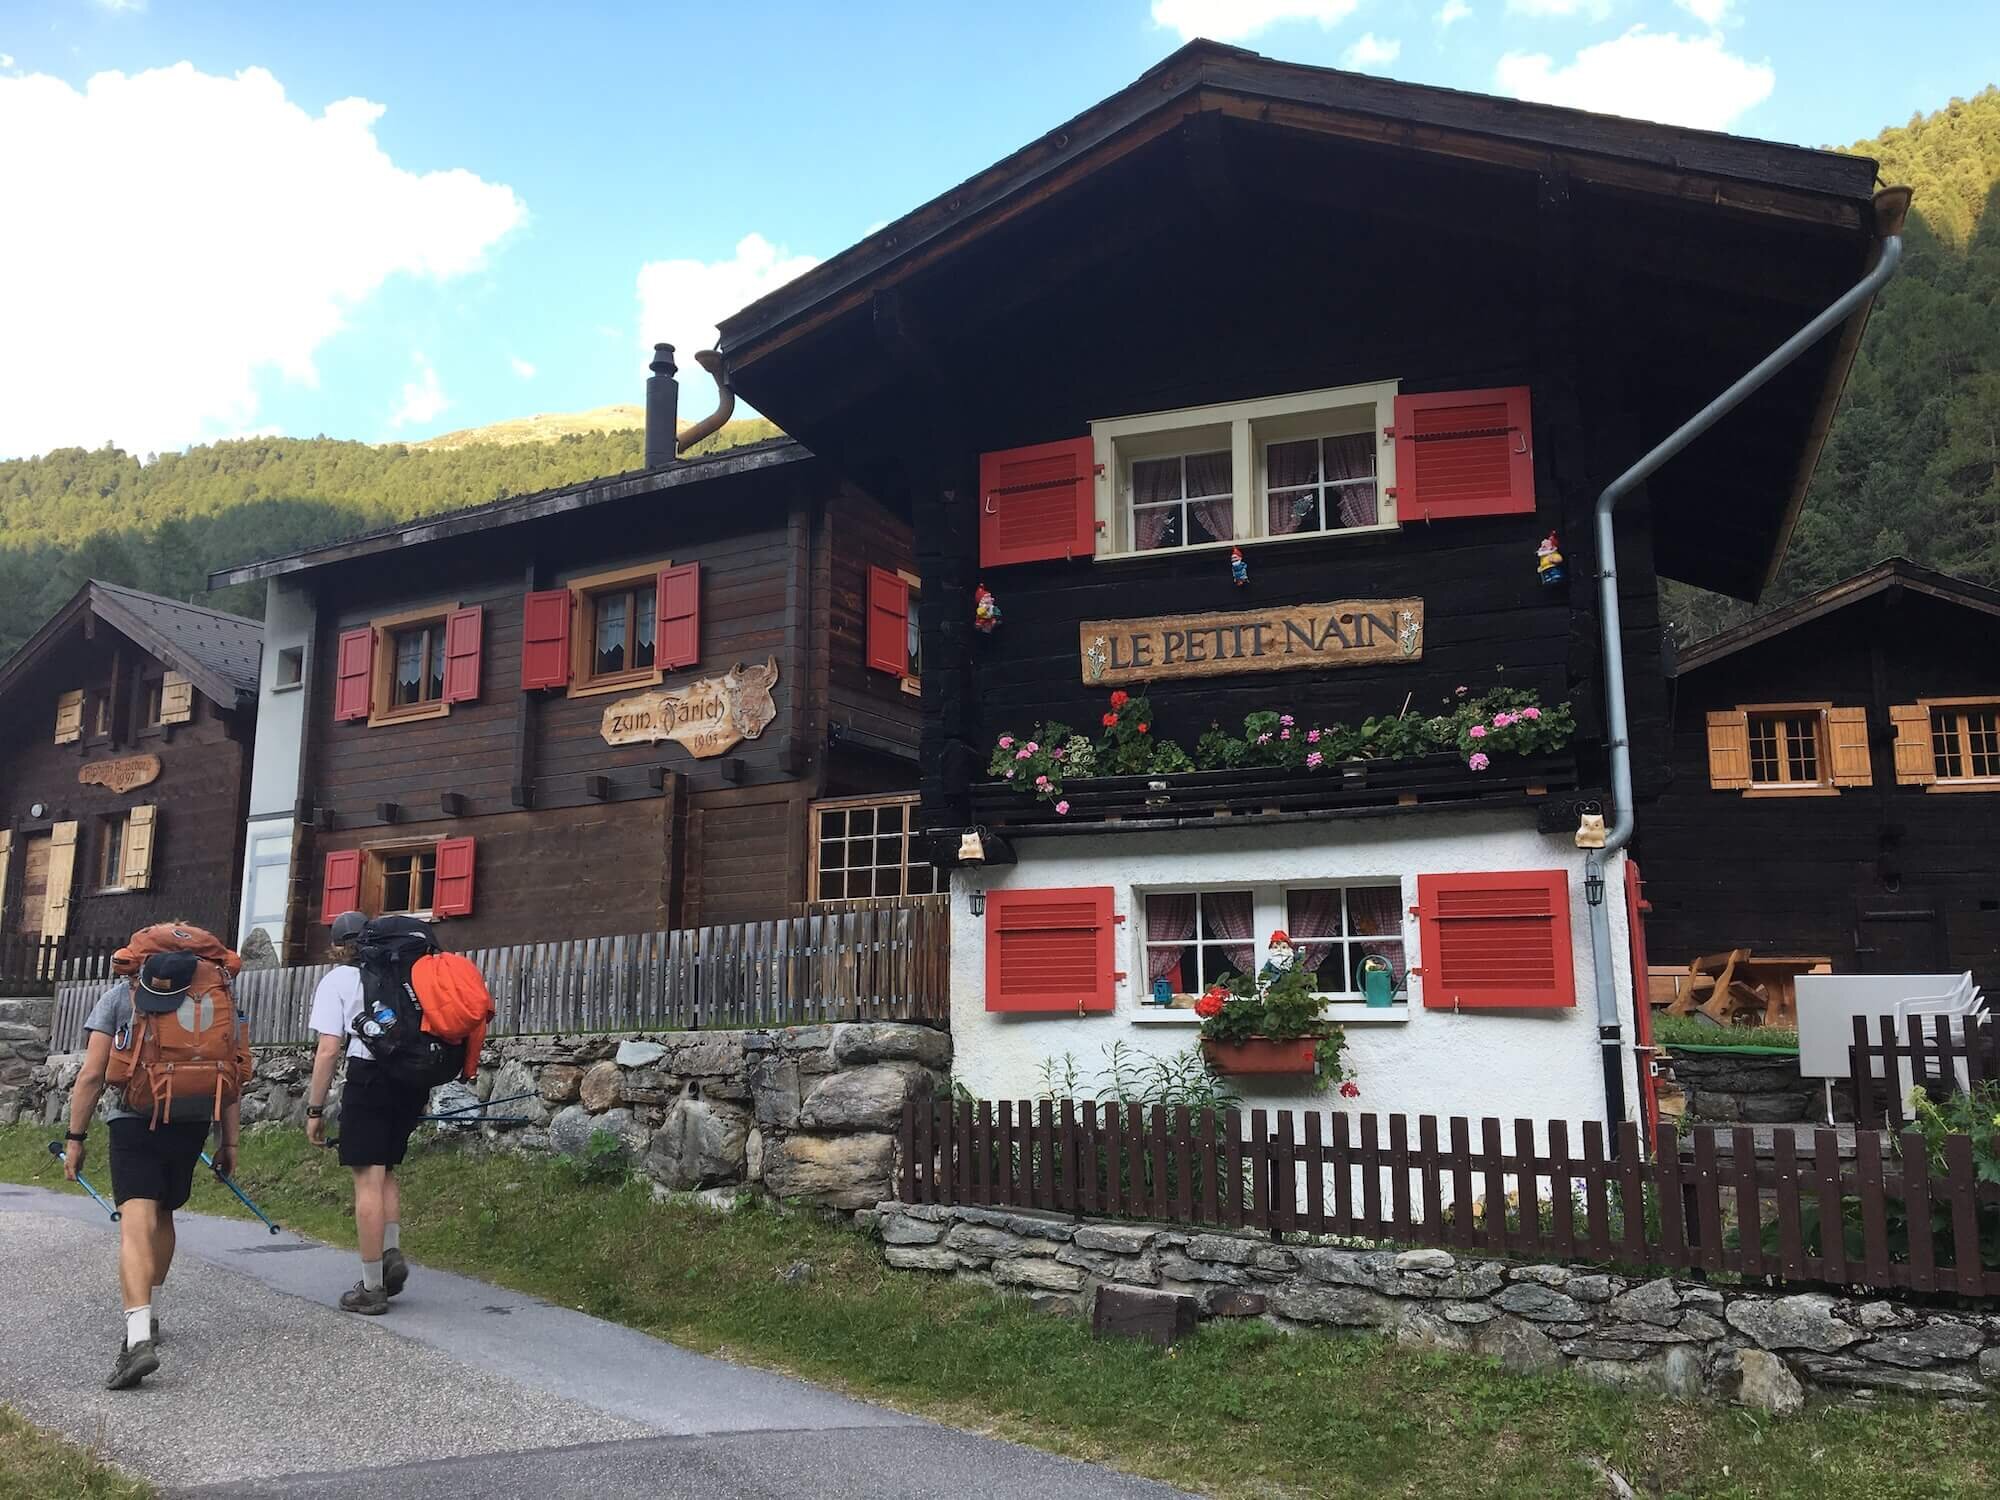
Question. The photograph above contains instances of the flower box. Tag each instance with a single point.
(1260, 1054)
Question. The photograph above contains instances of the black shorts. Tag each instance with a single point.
(156, 1164)
(377, 1114)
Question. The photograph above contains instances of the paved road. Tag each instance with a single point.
(267, 1389)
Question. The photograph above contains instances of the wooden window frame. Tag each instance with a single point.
(1958, 783)
(373, 875)
(583, 596)
(1246, 429)
(382, 683)
(1822, 751)
(909, 803)
(1270, 912)
(100, 717)
(112, 831)
(912, 682)
(152, 704)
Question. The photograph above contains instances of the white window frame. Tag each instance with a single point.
(1269, 912)
(1246, 428)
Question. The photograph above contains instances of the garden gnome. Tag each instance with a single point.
(1549, 561)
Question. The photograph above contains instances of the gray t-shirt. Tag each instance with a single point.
(111, 1015)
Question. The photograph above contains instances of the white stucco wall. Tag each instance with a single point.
(274, 767)
(1537, 1065)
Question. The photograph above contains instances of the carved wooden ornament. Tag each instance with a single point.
(705, 717)
(1284, 638)
(121, 775)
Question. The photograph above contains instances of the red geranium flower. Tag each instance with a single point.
(1110, 720)
(1211, 1004)
(1120, 698)
(1349, 1091)
(1143, 728)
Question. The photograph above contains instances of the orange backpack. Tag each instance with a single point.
(185, 1063)
(455, 1001)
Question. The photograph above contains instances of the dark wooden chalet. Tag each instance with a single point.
(682, 696)
(1384, 339)
(1836, 783)
(125, 731)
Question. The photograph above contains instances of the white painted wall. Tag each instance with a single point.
(274, 766)
(1535, 1065)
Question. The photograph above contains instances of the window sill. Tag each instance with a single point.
(1381, 528)
(1791, 791)
(1987, 784)
(1346, 1013)
(286, 687)
(620, 684)
(414, 712)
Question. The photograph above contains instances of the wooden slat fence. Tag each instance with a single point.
(1482, 1187)
(889, 962)
(33, 966)
(1936, 1058)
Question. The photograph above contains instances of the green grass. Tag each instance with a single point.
(1686, 1031)
(1236, 1411)
(36, 1465)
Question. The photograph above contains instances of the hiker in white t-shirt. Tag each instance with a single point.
(377, 1115)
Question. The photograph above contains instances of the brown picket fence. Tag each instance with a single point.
(887, 962)
(1934, 1054)
(35, 965)
(1479, 1186)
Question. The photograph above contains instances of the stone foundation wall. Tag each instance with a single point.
(1684, 1339)
(806, 1112)
(24, 1048)
(1749, 1087)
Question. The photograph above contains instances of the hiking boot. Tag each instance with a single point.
(359, 1298)
(135, 1363)
(395, 1271)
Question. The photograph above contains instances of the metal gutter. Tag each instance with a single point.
(1891, 204)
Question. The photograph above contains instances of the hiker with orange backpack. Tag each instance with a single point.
(166, 1037)
(412, 1017)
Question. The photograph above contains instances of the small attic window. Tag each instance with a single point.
(291, 667)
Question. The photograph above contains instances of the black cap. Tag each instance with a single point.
(163, 979)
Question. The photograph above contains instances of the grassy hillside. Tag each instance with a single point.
(548, 427)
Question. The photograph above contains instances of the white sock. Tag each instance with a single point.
(371, 1275)
(392, 1236)
(138, 1324)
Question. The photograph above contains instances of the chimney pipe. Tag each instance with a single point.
(663, 401)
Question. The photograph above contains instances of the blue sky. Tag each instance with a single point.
(219, 255)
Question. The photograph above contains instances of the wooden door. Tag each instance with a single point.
(34, 884)
(1897, 932)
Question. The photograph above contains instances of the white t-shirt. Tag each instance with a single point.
(336, 1003)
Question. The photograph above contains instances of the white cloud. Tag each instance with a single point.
(680, 301)
(250, 230)
(1708, 12)
(423, 398)
(118, 6)
(521, 367)
(1371, 51)
(1591, 10)
(6, 59)
(1233, 20)
(1646, 75)
(1453, 12)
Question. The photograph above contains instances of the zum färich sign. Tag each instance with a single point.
(705, 717)
(1285, 638)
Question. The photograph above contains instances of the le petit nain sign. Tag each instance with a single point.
(1286, 638)
(704, 717)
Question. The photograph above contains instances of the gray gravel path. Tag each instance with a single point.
(469, 1388)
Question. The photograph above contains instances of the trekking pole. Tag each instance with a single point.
(209, 1162)
(56, 1149)
(459, 1119)
(467, 1109)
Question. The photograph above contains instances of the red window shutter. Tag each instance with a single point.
(1464, 453)
(354, 673)
(341, 889)
(545, 639)
(1050, 950)
(1496, 940)
(888, 622)
(677, 635)
(1037, 503)
(462, 630)
(451, 896)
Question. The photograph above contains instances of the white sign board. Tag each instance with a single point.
(1828, 1004)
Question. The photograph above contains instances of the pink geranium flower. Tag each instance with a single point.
(1041, 781)
(1286, 720)
(1502, 720)
(1006, 742)
(1010, 773)
(1477, 731)
(1312, 736)
(1033, 747)
(1062, 807)
(1531, 713)
(1263, 739)
(1284, 734)
(1023, 753)
(1315, 760)
(1478, 761)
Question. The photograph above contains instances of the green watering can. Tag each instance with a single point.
(1378, 981)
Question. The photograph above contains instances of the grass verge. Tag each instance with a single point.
(37, 1465)
(1687, 1031)
(1239, 1410)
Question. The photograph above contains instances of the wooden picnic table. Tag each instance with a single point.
(1777, 975)
(1740, 986)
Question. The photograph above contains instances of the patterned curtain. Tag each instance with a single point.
(1378, 912)
(1154, 480)
(1352, 458)
(1313, 914)
(1169, 919)
(1209, 474)
(1293, 468)
(1227, 914)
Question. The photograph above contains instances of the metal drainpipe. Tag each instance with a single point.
(1891, 205)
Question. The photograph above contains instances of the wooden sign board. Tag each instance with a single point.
(1285, 638)
(705, 717)
(121, 776)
